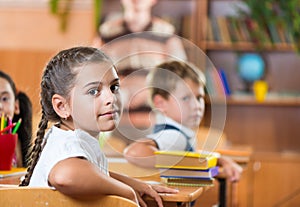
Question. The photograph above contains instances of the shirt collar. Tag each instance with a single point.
(162, 119)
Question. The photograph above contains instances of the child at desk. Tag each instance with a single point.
(80, 94)
(16, 105)
(177, 94)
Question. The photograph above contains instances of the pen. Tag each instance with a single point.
(7, 128)
(17, 126)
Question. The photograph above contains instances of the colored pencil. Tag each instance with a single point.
(7, 128)
(17, 126)
(2, 121)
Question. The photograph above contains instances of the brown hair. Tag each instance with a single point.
(58, 78)
(163, 78)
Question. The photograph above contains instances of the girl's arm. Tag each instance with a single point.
(143, 188)
(79, 178)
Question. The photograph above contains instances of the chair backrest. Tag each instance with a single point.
(45, 197)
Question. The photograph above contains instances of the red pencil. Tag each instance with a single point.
(7, 128)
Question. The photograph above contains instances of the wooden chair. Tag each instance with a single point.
(45, 197)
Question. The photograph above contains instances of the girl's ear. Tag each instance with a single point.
(17, 107)
(160, 103)
(60, 106)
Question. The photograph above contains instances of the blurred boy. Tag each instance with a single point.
(177, 95)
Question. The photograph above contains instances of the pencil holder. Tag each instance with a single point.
(8, 144)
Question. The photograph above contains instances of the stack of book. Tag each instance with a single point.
(186, 168)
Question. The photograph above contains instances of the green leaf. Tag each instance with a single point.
(53, 6)
(97, 12)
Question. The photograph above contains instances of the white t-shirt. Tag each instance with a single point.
(171, 139)
(60, 145)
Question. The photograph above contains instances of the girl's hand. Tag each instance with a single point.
(151, 190)
(142, 188)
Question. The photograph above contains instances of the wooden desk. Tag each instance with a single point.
(185, 197)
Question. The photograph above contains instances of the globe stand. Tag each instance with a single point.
(248, 86)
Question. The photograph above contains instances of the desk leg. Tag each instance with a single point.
(189, 204)
(222, 192)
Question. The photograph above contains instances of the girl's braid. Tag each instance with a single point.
(36, 151)
(47, 112)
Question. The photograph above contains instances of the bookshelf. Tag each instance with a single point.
(281, 63)
(231, 32)
(269, 127)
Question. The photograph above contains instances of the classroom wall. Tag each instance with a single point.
(30, 36)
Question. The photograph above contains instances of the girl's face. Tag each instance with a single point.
(8, 105)
(186, 103)
(95, 99)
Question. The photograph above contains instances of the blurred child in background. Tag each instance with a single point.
(16, 105)
(177, 95)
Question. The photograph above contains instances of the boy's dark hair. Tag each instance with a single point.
(25, 130)
(164, 77)
(58, 78)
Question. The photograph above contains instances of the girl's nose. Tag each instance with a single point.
(108, 96)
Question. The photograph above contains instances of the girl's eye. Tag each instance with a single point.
(115, 88)
(4, 99)
(93, 92)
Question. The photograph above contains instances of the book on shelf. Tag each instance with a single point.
(223, 28)
(210, 34)
(258, 35)
(232, 29)
(188, 173)
(191, 182)
(244, 30)
(287, 34)
(274, 35)
(224, 81)
(235, 33)
(12, 172)
(215, 29)
(185, 160)
(284, 34)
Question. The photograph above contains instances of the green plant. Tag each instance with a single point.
(285, 13)
(62, 8)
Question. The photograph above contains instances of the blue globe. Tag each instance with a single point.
(251, 67)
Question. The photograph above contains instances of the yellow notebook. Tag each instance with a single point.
(185, 160)
(12, 172)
